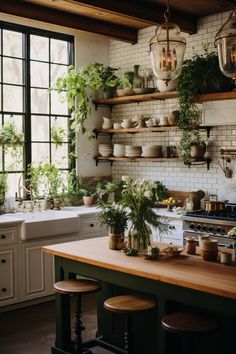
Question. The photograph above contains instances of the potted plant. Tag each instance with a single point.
(74, 89)
(159, 191)
(74, 186)
(115, 217)
(87, 194)
(137, 195)
(54, 182)
(3, 190)
(191, 146)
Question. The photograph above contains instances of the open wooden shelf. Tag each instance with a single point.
(216, 96)
(135, 159)
(195, 162)
(145, 130)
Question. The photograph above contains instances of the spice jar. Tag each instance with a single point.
(190, 245)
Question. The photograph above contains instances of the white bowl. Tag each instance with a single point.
(171, 85)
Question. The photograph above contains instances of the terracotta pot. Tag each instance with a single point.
(88, 200)
(197, 151)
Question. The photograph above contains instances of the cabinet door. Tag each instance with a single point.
(175, 234)
(33, 270)
(38, 267)
(8, 275)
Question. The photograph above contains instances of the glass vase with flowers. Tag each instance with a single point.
(137, 196)
(114, 217)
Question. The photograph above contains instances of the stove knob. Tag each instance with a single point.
(223, 231)
(199, 227)
(210, 229)
(192, 226)
(218, 230)
(204, 228)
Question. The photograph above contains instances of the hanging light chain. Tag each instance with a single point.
(168, 60)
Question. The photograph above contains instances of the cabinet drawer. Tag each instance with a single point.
(90, 225)
(8, 235)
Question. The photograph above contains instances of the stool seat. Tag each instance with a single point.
(129, 304)
(188, 322)
(76, 286)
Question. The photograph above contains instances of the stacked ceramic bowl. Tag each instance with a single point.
(105, 150)
(152, 151)
(132, 151)
(118, 150)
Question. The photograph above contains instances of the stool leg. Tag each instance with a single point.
(128, 334)
(78, 328)
(188, 344)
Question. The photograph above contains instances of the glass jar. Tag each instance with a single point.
(137, 81)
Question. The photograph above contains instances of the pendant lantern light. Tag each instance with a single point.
(167, 48)
(226, 44)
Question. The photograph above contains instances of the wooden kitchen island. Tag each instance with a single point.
(181, 283)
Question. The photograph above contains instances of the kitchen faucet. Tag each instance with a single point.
(20, 198)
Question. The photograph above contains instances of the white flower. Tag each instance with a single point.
(148, 194)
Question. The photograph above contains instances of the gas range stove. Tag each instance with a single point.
(216, 224)
(219, 215)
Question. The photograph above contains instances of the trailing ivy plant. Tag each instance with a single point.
(199, 74)
(76, 86)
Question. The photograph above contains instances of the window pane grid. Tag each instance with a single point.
(20, 59)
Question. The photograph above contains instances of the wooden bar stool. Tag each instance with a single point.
(188, 324)
(127, 305)
(77, 287)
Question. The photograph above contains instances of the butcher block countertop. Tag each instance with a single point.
(189, 271)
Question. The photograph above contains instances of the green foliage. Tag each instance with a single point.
(58, 135)
(47, 176)
(10, 136)
(3, 187)
(137, 195)
(159, 191)
(232, 233)
(74, 186)
(113, 216)
(199, 74)
(74, 88)
(188, 139)
(12, 140)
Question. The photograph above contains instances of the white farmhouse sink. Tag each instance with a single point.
(47, 223)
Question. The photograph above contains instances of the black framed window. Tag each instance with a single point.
(30, 61)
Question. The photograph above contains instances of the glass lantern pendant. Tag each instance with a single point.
(226, 45)
(167, 48)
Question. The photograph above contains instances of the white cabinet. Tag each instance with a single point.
(37, 267)
(90, 227)
(8, 275)
(9, 293)
(219, 112)
(175, 234)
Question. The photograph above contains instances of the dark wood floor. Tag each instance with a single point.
(31, 330)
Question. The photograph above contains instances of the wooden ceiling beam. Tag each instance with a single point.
(57, 17)
(149, 13)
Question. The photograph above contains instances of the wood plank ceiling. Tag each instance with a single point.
(119, 19)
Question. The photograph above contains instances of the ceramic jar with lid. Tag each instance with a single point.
(190, 247)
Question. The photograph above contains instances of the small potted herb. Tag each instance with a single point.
(88, 195)
(114, 217)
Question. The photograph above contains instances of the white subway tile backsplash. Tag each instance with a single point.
(175, 176)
